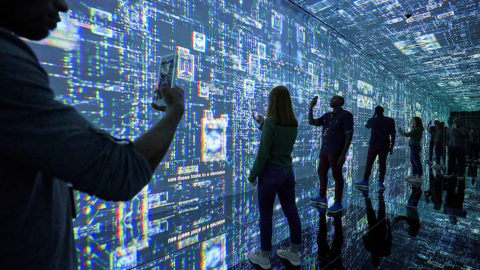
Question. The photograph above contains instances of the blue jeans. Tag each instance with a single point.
(415, 160)
(279, 180)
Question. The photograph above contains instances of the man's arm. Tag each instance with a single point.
(154, 143)
(311, 120)
(369, 123)
(45, 135)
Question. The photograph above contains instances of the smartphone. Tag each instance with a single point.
(166, 76)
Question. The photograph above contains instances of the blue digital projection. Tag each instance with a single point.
(434, 43)
(102, 61)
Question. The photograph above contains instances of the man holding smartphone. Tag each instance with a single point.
(337, 136)
(382, 141)
(47, 146)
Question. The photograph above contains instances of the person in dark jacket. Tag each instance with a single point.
(273, 168)
(382, 142)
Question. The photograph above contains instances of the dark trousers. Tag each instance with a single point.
(382, 162)
(430, 149)
(456, 160)
(475, 148)
(272, 181)
(439, 153)
(415, 160)
(326, 162)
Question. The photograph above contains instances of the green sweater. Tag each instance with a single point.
(276, 146)
(415, 135)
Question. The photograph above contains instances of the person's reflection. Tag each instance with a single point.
(454, 199)
(436, 189)
(378, 239)
(412, 218)
(330, 257)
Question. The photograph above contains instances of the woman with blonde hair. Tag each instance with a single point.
(273, 167)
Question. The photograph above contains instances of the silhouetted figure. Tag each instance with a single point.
(431, 145)
(415, 135)
(273, 167)
(47, 148)
(378, 239)
(336, 139)
(412, 218)
(457, 137)
(454, 199)
(382, 141)
(439, 142)
(330, 257)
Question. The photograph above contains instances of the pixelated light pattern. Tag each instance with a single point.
(437, 47)
(103, 61)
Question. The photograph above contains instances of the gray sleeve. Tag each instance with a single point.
(49, 136)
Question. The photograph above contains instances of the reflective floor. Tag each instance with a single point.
(434, 225)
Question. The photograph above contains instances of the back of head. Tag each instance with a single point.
(379, 110)
(280, 107)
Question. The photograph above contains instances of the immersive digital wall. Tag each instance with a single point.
(199, 212)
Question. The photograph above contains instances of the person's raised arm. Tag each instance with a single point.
(311, 120)
(45, 135)
(154, 143)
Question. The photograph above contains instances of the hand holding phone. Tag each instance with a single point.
(166, 77)
(313, 103)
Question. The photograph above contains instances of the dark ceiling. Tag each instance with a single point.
(433, 43)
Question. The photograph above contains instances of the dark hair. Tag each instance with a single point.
(280, 107)
(379, 110)
(341, 98)
(418, 122)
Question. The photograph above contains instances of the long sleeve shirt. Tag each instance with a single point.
(276, 146)
(415, 135)
(45, 146)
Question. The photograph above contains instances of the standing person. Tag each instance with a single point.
(431, 146)
(457, 137)
(415, 135)
(439, 141)
(46, 146)
(382, 141)
(273, 167)
(337, 136)
(475, 144)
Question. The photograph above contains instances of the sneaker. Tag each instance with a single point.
(335, 208)
(289, 255)
(319, 201)
(381, 186)
(362, 185)
(460, 178)
(436, 167)
(260, 258)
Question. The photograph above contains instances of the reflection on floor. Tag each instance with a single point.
(434, 225)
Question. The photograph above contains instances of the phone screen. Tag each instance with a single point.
(166, 76)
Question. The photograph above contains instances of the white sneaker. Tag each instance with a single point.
(260, 258)
(460, 178)
(288, 254)
(436, 167)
